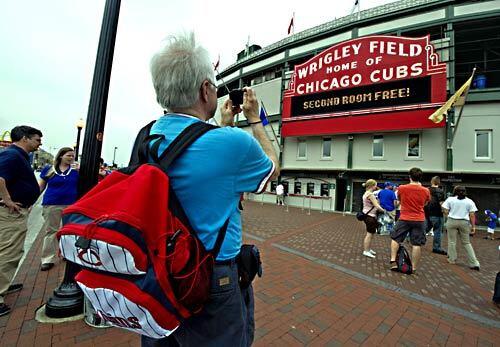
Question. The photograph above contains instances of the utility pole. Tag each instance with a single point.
(114, 155)
(67, 299)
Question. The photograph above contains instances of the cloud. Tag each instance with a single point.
(49, 49)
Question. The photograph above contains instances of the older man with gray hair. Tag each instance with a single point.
(209, 178)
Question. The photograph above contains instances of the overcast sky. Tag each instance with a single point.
(48, 50)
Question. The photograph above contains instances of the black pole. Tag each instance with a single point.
(77, 147)
(114, 156)
(67, 300)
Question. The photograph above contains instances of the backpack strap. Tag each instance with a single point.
(139, 150)
(179, 144)
(176, 148)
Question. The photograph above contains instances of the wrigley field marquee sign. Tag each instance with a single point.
(373, 83)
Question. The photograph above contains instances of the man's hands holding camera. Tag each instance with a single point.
(227, 113)
(250, 108)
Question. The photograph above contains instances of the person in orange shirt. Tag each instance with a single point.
(413, 197)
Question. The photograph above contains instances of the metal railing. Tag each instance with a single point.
(306, 200)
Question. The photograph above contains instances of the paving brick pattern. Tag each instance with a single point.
(298, 301)
(338, 239)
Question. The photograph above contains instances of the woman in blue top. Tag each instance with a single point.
(60, 183)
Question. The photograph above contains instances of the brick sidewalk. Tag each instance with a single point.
(307, 296)
(338, 240)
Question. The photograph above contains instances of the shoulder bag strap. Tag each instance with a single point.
(373, 206)
(220, 239)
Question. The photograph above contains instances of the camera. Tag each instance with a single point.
(236, 96)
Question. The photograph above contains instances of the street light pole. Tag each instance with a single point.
(67, 300)
(114, 156)
(79, 127)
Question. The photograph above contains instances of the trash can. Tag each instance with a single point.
(91, 317)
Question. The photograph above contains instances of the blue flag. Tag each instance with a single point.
(263, 116)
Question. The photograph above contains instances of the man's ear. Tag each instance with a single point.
(204, 91)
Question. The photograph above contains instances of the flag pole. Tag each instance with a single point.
(274, 133)
(356, 4)
(216, 68)
(461, 110)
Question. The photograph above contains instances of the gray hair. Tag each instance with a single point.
(178, 71)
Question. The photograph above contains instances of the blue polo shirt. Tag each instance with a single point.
(20, 179)
(386, 198)
(62, 187)
(210, 176)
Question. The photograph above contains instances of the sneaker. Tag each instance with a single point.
(46, 266)
(14, 288)
(372, 252)
(475, 268)
(368, 254)
(440, 251)
(4, 309)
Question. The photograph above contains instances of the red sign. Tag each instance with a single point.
(373, 83)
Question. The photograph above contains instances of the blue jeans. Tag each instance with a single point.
(227, 320)
(437, 227)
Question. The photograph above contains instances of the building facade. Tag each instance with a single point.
(327, 153)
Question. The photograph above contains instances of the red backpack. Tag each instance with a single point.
(144, 268)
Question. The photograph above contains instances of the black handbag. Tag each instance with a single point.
(249, 265)
(361, 216)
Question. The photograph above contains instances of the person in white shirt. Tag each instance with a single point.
(280, 194)
(460, 212)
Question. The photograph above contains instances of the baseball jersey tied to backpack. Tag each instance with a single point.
(143, 267)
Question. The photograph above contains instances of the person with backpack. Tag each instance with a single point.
(435, 214)
(370, 208)
(460, 211)
(60, 182)
(413, 197)
(208, 179)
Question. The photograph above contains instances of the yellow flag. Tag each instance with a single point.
(438, 115)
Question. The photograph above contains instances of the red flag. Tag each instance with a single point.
(290, 26)
(216, 65)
